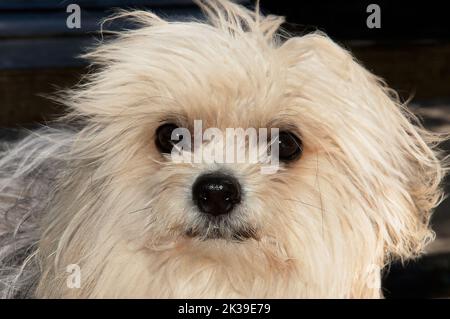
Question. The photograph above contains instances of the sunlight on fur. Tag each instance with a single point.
(98, 194)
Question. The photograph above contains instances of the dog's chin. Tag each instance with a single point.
(214, 230)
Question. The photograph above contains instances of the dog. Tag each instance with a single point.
(94, 207)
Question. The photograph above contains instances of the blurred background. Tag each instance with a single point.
(410, 50)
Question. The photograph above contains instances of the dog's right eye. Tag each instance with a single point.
(164, 141)
(290, 146)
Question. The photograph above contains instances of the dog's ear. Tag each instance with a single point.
(402, 169)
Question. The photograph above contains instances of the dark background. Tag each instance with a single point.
(411, 50)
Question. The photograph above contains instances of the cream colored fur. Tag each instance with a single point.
(360, 196)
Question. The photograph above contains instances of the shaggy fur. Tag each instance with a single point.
(102, 197)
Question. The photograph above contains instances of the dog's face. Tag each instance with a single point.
(354, 186)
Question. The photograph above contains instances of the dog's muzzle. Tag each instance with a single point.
(216, 196)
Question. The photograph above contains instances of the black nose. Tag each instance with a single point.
(216, 193)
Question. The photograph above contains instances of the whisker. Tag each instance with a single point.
(318, 187)
(307, 204)
(149, 205)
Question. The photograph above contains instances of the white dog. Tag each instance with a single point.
(357, 181)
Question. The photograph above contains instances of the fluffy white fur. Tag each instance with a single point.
(103, 197)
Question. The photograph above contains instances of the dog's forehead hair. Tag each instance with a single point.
(234, 114)
(225, 81)
(234, 98)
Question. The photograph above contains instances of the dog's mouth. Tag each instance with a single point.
(220, 229)
(238, 235)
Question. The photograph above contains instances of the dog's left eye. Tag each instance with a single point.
(164, 137)
(290, 146)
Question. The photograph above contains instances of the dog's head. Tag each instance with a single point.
(356, 179)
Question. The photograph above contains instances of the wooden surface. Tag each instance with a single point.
(23, 100)
(422, 71)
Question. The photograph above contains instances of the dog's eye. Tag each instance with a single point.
(290, 146)
(164, 137)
